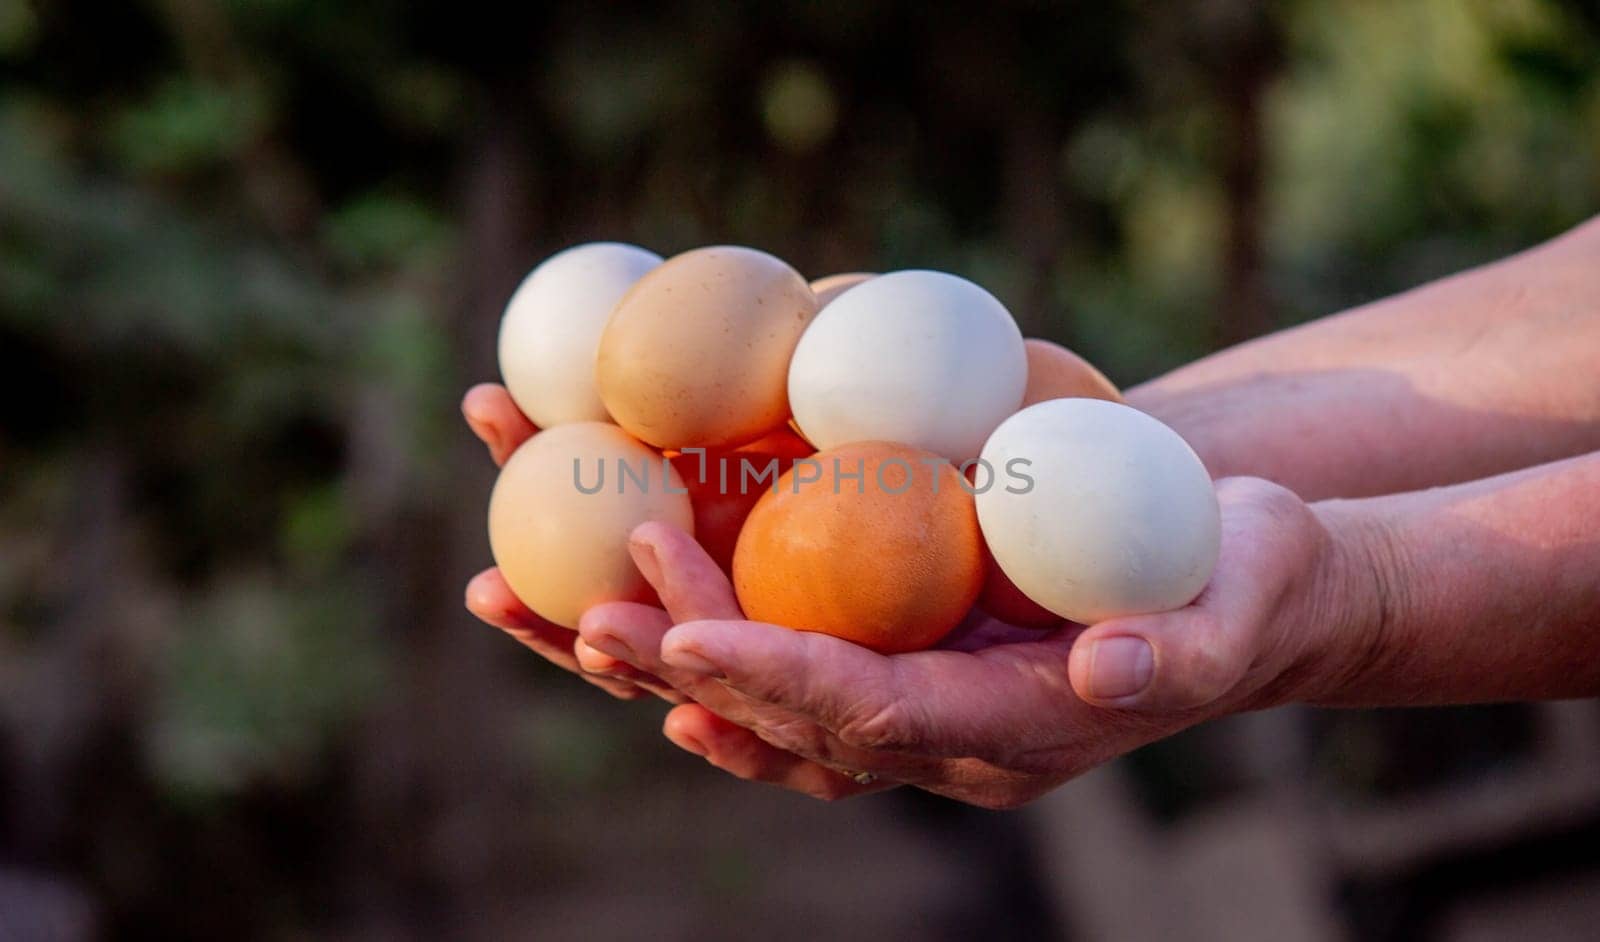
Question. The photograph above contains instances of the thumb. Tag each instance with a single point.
(1190, 658)
(1174, 661)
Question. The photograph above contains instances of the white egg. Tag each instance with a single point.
(922, 358)
(1097, 510)
(552, 326)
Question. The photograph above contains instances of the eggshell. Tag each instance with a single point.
(697, 353)
(1054, 372)
(873, 542)
(919, 357)
(1002, 599)
(563, 550)
(1120, 517)
(552, 325)
(830, 287)
(725, 484)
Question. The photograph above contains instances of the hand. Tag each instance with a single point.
(1000, 725)
(496, 420)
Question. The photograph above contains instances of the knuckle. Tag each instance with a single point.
(800, 737)
(1267, 499)
(1247, 489)
(889, 725)
(1204, 670)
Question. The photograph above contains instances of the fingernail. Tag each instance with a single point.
(644, 556)
(1120, 667)
(695, 663)
(691, 744)
(482, 429)
(610, 644)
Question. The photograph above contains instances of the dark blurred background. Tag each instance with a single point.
(252, 251)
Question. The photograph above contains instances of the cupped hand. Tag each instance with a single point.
(496, 420)
(1004, 720)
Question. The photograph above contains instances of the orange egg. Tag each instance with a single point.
(873, 542)
(1002, 599)
(831, 286)
(725, 484)
(1054, 372)
(785, 443)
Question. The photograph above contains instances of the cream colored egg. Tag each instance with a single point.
(552, 326)
(1054, 372)
(1097, 510)
(561, 512)
(831, 286)
(697, 353)
(922, 358)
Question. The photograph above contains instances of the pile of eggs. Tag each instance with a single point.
(869, 456)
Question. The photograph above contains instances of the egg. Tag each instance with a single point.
(552, 325)
(922, 358)
(1002, 599)
(561, 512)
(1096, 510)
(1054, 372)
(874, 542)
(697, 353)
(831, 286)
(725, 484)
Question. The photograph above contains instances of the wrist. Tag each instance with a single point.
(1359, 590)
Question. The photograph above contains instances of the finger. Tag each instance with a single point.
(738, 751)
(489, 598)
(632, 633)
(691, 586)
(1190, 658)
(495, 418)
(629, 634)
(997, 704)
(602, 664)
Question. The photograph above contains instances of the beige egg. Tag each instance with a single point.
(830, 287)
(1054, 372)
(697, 352)
(561, 512)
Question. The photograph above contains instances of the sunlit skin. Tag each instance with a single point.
(1476, 592)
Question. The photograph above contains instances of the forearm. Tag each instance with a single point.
(1480, 592)
(1490, 370)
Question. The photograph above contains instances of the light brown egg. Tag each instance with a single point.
(830, 287)
(697, 352)
(1054, 372)
(562, 550)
